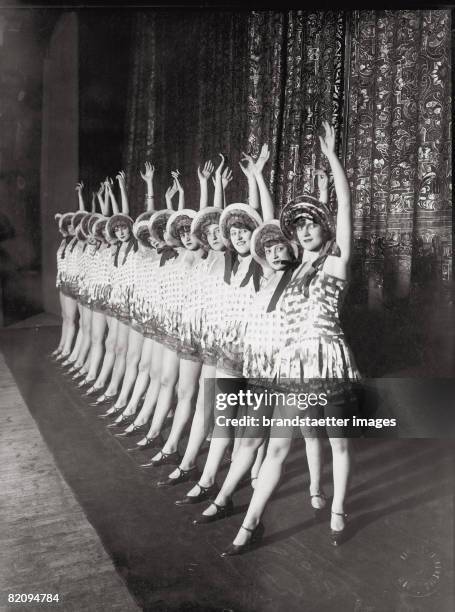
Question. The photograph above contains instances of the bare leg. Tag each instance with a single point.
(313, 448)
(341, 461)
(268, 479)
(153, 390)
(86, 323)
(61, 343)
(109, 356)
(143, 376)
(97, 336)
(79, 338)
(187, 386)
(168, 379)
(121, 347)
(202, 420)
(70, 316)
(243, 459)
(221, 439)
(135, 340)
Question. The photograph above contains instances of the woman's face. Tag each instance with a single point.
(240, 238)
(276, 255)
(122, 233)
(71, 229)
(213, 236)
(310, 235)
(187, 238)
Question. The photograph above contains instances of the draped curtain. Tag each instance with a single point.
(206, 82)
(398, 153)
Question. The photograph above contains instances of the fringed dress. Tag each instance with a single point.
(315, 357)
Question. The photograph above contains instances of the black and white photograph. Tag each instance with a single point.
(227, 319)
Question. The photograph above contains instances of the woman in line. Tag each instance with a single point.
(191, 360)
(119, 227)
(175, 366)
(75, 274)
(66, 230)
(313, 345)
(195, 333)
(140, 260)
(278, 257)
(95, 283)
(151, 359)
(235, 281)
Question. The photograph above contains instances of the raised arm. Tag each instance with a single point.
(175, 175)
(148, 178)
(266, 198)
(344, 220)
(204, 176)
(122, 184)
(115, 208)
(93, 202)
(80, 197)
(323, 185)
(170, 193)
(248, 171)
(218, 184)
(226, 178)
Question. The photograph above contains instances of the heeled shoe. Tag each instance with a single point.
(93, 391)
(85, 383)
(165, 459)
(338, 536)
(154, 442)
(137, 429)
(125, 420)
(115, 413)
(62, 361)
(205, 494)
(221, 513)
(78, 375)
(107, 399)
(319, 513)
(184, 476)
(238, 549)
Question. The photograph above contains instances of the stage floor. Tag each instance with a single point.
(400, 555)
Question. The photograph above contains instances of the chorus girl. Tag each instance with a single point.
(313, 347)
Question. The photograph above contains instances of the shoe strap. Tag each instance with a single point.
(321, 495)
(217, 506)
(203, 489)
(343, 514)
(248, 528)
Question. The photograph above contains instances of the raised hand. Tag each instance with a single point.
(264, 156)
(248, 167)
(176, 176)
(172, 190)
(206, 171)
(322, 180)
(80, 186)
(220, 166)
(149, 172)
(226, 177)
(328, 140)
(121, 177)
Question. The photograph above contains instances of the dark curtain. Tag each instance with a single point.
(398, 120)
(295, 82)
(398, 153)
(204, 82)
(209, 82)
(188, 99)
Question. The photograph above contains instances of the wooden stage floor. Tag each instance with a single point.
(399, 558)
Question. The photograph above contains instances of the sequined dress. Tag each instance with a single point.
(315, 356)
